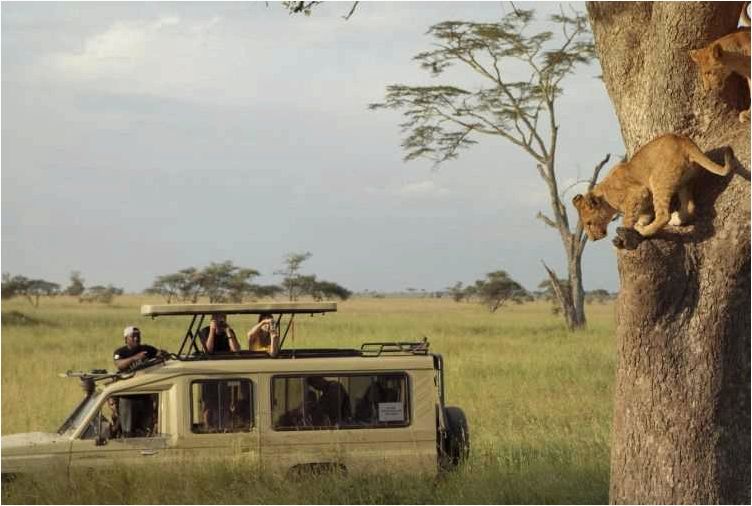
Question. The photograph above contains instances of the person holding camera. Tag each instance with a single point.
(264, 336)
(219, 337)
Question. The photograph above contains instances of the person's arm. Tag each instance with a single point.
(253, 334)
(233, 340)
(274, 345)
(125, 363)
(210, 339)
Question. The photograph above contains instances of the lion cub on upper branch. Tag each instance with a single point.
(661, 168)
(724, 56)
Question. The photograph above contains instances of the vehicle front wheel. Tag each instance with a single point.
(456, 444)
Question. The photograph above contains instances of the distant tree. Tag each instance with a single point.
(265, 291)
(456, 292)
(9, 287)
(320, 290)
(471, 291)
(523, 74)
(76, 286)
(101, 294)
(292, 280)
(168, 286)
(31, 289)
(223, 282)
(189, 284)
(497, 289)
(599, 295)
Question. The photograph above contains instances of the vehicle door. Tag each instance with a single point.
(219, 419)
(127, 428)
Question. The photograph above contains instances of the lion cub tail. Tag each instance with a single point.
(706, 163)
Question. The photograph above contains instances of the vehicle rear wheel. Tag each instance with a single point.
(456, 445)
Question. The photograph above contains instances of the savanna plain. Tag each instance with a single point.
(538, 401)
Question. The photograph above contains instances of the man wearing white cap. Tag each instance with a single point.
(126, 356)
(133, 351)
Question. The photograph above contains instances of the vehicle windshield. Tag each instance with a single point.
(77, 416)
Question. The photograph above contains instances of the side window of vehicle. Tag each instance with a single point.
(344, 401)
(224, 405)
(126, 416)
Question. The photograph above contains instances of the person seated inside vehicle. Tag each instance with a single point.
(115, 429)
(218, 336)
(333, 406)
(264, 336)
(366, 408)
(302, 415)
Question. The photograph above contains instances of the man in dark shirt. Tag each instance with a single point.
(219, 337)
(126, 356)
(133, 351)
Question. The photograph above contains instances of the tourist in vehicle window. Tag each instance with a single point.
(126, 416)
(221, 406)
(351, 401)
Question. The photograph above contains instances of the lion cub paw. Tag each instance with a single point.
(626, 238)
(675, 219)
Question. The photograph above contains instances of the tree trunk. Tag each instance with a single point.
(681, 431)
(578, 292)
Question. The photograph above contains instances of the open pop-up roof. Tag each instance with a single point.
(200, 311)
(207, 309)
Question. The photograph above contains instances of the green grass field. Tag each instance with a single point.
(538, 400)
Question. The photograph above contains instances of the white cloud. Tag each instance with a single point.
(165, 56)
(423, 189)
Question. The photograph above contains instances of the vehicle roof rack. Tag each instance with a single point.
(396, 348)
(207, 309)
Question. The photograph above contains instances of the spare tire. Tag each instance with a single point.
(456, 447)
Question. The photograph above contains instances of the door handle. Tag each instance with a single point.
(146, 453)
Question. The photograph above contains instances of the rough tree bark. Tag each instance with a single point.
(681, 431)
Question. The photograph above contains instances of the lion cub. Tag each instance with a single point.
(661, 169)
(722, 57)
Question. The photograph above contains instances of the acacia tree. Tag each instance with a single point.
(521, 109)
(32, 289)
(292, 281)
(497, 289)
(682, 394)
(76, 287)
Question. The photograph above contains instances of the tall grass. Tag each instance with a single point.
(538, 401)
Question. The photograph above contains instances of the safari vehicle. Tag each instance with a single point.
(377, 407)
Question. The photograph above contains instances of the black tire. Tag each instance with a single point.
(456, 447)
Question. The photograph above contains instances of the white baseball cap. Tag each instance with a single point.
(128, 331)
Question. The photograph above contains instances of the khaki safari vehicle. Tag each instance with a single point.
(378, 407)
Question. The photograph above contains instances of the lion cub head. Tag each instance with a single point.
(595, 215)
(712, 69)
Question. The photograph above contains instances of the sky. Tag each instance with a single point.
(142, 138)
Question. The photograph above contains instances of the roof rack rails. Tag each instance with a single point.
(397, 348)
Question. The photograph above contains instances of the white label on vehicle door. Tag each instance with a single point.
(391, 412)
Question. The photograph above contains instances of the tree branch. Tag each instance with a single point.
(352, 11)
(545, 219)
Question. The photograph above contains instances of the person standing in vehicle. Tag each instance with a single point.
(219, 337)
(264, 336)
(133, 352)
(126, 357)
